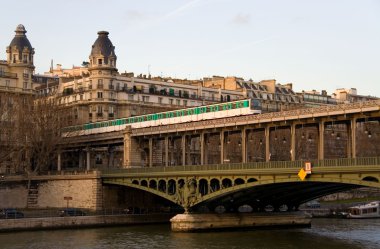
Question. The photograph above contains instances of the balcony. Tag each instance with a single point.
(8, 75)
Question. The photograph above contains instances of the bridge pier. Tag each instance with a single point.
(189, 222)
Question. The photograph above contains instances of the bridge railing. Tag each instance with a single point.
(347, 162)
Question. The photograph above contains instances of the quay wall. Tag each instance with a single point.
(8, 225)
(52, 191)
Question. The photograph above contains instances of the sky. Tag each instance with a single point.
(324, 44)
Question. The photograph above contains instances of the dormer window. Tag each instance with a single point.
(25, 58)
(14, 58)
(100, 61)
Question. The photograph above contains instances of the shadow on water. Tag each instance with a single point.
(325, 233)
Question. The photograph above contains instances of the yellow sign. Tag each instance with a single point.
(302, 174)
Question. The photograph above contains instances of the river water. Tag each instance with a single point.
(325, 233)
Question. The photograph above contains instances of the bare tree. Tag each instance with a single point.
(42, 129)
(30, 132)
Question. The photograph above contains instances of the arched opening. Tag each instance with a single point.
(226, 183)
(144, 183)
(203, 187)
(181, 183)
(252, 180)
(153, 184)
(135, 182)
(370, 179)
(239, 181)
(172, 187)
(162, 186)
(214, 185)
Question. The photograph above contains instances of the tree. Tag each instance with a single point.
(42, 129)
(30, 133)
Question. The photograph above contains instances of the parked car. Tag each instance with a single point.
(11, 213)
(71, 212)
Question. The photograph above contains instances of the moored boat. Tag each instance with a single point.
(369, 210)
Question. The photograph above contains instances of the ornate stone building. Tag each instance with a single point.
(97, 91)
(16, 90)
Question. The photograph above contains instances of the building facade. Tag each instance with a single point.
(16, 93)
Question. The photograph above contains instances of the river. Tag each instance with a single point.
(325, 233)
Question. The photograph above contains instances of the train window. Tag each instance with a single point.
(160, 116)
(246, 103)
(130, 120)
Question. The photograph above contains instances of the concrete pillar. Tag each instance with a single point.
(321, 140)
(353, 138)
(293, 142)
(80, 159)
(88, 159)
(183, 145)
(244, 145)
(166, 151)
(206, 143)
(59, 165)
(202, 146)
(150, 152)
(267, 145)
(222, 147)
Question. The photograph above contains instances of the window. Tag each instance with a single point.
(171, 101)
(130, 97)
(100, 61)
(145, 98)
(112, 95)
(99, 110)
(90, 84)
(25, 84)
(185, 102)
(25, 58)
(111, 109)
(81, 97)
(89, 96)
(7, 82)
(100, 83)
(100, 95)
(159, 100)
(178, 101)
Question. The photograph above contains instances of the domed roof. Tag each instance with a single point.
(103, 45)
(20, 40)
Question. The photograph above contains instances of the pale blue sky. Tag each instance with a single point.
(320, 44)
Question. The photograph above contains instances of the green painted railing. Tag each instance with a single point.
(347, 162)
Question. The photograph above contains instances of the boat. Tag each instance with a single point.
(369, 210)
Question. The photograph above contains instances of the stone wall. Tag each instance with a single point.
(13, 194)
(84, 189)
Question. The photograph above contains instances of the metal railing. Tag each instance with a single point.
(347, 162)
(8, 75)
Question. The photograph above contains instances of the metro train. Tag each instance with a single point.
(214, 111)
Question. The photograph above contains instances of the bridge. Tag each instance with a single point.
(257, 184)
(249, 160)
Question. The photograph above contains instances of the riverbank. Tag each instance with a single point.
(47, 223)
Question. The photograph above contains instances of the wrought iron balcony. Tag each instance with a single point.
(8, 75)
